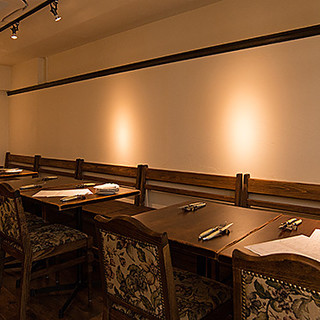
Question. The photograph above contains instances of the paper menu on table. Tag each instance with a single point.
(302, 245)
(316, 235)
(62, 193)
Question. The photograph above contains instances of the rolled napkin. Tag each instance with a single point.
(8, 171)
(107, 188)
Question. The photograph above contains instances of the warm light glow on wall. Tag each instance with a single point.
(121, 122)
(244, 116)
(122, 132)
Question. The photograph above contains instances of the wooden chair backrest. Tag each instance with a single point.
(21, 161)
(60, 167)
(273, 284)
(13, 227)
(179, 182)
(282, 195)
(126, 248)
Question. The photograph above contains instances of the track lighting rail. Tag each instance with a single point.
(27, 14)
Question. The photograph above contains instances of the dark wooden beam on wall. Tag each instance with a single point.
(284, 36)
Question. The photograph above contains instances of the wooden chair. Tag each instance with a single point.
(29, 244)
(140, 283)
(21, 161)
(192, 184)
(302, 198)
(279, 286)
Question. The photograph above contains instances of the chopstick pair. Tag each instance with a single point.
(31, 186)
(193, 206)
(291, 224)
(215, 232)
(38, 185)
(73, 198)
(85, 185)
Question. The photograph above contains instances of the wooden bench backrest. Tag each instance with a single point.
(58, 167)
(123, 175)
(21, 161)
(282, 195)
(188, 183)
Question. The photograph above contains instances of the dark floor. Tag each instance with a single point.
(45, 307)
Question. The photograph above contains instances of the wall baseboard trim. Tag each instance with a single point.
(284, 36)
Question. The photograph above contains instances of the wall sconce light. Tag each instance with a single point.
(14, 30)
(54, 10)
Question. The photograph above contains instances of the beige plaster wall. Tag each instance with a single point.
(5, 84)
(255, 110)
(221, 22)
(29, 73)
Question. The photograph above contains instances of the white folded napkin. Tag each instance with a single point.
(107, 188)
(15, 170)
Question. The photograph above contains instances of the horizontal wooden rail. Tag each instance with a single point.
(284, 206)
(191, 178)
(286, 189)
(124, 171)
(191, 193)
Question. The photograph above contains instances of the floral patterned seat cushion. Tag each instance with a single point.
(266, 298)
(198, 296)
(42, 235)
(53, 235)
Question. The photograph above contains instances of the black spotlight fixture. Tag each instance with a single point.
(14, 30)
(54, 10)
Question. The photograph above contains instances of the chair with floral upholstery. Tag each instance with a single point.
(140, 283)
(274, 287)
(33, 221)
(30, 242)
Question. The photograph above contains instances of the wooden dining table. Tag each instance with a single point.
(64, 183)
(250, 226)
(271, 232)
(5, 174)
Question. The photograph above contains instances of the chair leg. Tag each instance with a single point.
(79, 284)
(106, 313)
(57, 274)
(68, 302)
(90, 269)
(2, 258)
(25, 286)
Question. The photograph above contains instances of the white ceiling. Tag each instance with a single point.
(82, 21)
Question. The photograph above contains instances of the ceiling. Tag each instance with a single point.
(82, 21)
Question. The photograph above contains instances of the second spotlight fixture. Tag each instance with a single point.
(54, 10)
(15, 24)
(14, 30)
